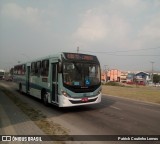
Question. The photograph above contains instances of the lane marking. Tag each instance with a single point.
(115, 107)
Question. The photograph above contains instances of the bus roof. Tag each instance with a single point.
(66, 55)
(1, 70)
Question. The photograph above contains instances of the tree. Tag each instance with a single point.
(156, 78)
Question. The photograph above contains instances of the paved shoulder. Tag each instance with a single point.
(13, 121)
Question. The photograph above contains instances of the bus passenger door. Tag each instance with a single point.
(28, 80)
(54, 83)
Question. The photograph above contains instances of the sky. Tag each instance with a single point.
(123, 34)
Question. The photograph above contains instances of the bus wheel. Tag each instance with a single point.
(45, 99)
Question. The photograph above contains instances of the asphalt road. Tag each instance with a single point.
(113, 116)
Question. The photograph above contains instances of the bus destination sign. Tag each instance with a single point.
(75, 56)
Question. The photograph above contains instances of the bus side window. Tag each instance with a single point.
(19, 69)
(15, 70)
(33, 68)
(23, 69)
(38, 68)
(45, 68)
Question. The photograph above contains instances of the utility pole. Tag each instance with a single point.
(106, 71)
(152, 70)
(77, 49)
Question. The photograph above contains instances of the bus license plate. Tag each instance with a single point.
(84, 99)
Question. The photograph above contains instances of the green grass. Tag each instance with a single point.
(114, 84)
(143, 93)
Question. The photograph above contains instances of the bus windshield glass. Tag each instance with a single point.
(80, 74)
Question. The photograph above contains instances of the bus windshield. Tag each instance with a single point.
(80, 74)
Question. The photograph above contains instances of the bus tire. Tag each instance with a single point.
(20, 88)
(45, 98)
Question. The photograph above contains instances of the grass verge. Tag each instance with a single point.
(146, 94)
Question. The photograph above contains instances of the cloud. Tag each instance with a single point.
(93, 27)
(151, 30)
(133, 4)
(29, 15)
(12, 10)
(124, 24)
(97, 26)
(157, 3)
(149, 35)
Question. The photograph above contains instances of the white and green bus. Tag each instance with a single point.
(66, 79)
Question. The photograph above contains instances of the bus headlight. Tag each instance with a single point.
(65, 93)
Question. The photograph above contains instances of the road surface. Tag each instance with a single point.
(113, 116)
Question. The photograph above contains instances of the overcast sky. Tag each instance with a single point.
(124, 34)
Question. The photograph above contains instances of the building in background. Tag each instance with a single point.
(104, 76)
(142, 78)
(130, 78)
(114, 75)
(123, 77)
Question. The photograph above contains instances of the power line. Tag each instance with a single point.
(132, 55)
(77, 49)
(113, 52)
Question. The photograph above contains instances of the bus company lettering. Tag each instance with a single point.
(34, 139)
(26, 138)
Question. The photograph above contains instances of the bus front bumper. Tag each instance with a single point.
(68, 102)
